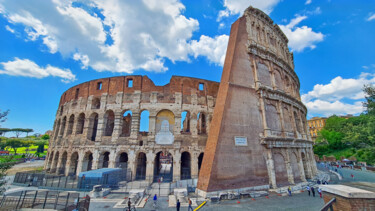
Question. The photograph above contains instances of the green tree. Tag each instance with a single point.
(14, 143)
(3, 143)
(40, 145)
(3, 116)
(27, 144)
(369, 105)
(45, 137)
(5, 164)
(4, 130)
(27, 131)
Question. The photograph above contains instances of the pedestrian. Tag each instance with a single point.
(290, 191)
(320, 192)
(352, 176)
(190, 207)
(178, 205)
(318, 182)
(308, 189)
(129, 204)
(155, 200)
(313, 191)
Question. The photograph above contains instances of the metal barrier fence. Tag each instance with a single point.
(44, 199)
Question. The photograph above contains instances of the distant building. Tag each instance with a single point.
(315, 125)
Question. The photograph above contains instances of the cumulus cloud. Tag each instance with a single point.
(372, 17)
(27, 68)
(301, 37)
(213, 48)
(308, 2)
(327, 99)
(117, 36)
(9, 29)
(234, 7)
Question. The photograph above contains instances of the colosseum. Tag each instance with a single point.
(250, 130)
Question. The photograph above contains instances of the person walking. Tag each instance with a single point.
(178, 205)
(129, 204)
(155, 200)
(190, 207)
(308, 189)
(290, 191)
(313, 191)
(320, 192)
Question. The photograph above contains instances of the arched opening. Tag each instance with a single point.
(80, 123)
(126, 124)
(305, 167)
(185, 165)
(164, 127)
(57, 129)
(50, 159)
(70, 125)
(122, 161)
(64, 158)
(95, 104)
(87, 162)
(63, 126)
(200, 159)
(55, 161)
(280, 170)
(104, 160)
(93, 126)
(73, 164)
(163, 167)
(141, 166)
(143, 123)
(297, 120)
(109, 119)
(201, 125)
(185, 122)
(295, 168)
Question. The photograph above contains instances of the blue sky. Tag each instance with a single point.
(48, 46)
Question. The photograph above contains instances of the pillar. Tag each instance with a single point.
(271, 169)
(135, 124)
(80, 162)
(194, 124)
(112, 159)
(151, 125)
(289, 167)
(67, 165)
(300, 165)
(58, 167)
(194, 165)
(176, 166)
(117, 127)
(95, 159)
(53, 164)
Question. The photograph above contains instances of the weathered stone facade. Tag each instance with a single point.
(260, 138)
(98, 125)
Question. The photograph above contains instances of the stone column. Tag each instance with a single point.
(85, 128)
(177, 124)
(194, 165)
(150, 166)
(308, 166)
(263, 110)
(95, 159)
(193, 124)
(151, 125)
(294, 122)
(300, 165)
(67, 165)
(289, 167)
(271, 169)
(45, 166)
(208, 122)
(281, 114)
(101, 127)
(80, 162)
(53, 165)
(176, 166)
(135, 125)
(117, 128)
(112, 158)
(313, 162)
(132, 163)
(58, 167)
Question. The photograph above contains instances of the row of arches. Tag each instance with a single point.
(126, 121)
(163, 164)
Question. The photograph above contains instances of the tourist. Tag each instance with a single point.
(313, 191)
(190, 208)
(318, 182)
(155, 200)
(129, 204)
(290, 191)
(308, 189)
(320, 192)
(178, 205)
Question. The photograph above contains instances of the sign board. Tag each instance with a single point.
(240, 141)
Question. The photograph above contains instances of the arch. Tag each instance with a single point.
(109, 118)
(295, 168)
(305, 166)
(185, 166)
(87, 161)
(95, 103)
(144, 121)
(63, 126)
(80, 123)
(201, 124)
(93, 126)
(50, 159)
(70, 125)
(126, 122)
(122, 160)
(200, 160)
(141, 166)
(163, 167)
(185, 122)
(57, 129)
(104, 159)
(297, 121)
(272, 117)
(288, 120)
(287, 84)
(167, 115)
(280, 170)
(64, 158)
(73, 164)
(54, 162)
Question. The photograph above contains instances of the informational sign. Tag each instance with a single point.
(240, 141)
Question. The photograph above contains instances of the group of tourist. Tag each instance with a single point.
(311, 190)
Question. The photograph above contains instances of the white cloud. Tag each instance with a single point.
(372, 17)
(27, 68)
(9, 29)
(308, 2)
(125, 36)
(233, 7)
(328, 99)
(213, 48)
(301, 37)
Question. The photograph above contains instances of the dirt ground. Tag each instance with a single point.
(28, 166)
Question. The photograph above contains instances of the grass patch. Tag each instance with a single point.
(22, 150)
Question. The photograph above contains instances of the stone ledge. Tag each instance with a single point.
(347, 192)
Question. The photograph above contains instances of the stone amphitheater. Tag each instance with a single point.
(161, 131)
